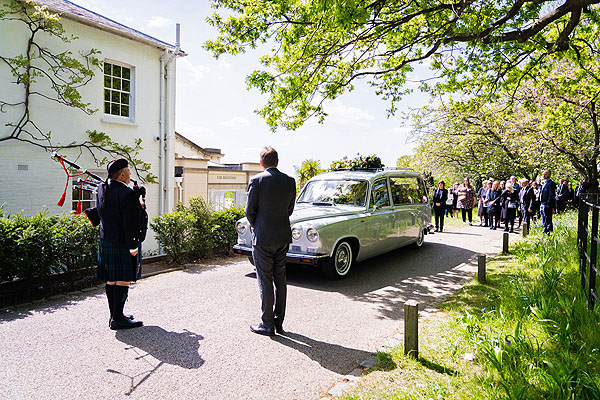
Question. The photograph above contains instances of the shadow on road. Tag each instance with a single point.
(174, 348)
(333, 357)
(390, 279)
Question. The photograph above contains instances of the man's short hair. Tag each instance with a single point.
(269, 157)
(116, 175)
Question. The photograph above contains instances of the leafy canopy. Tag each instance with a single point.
(320, 48)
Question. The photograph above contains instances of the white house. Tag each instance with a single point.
(134, 94)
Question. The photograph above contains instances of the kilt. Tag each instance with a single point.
(115, 263)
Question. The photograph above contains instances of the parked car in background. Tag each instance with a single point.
(342, 217)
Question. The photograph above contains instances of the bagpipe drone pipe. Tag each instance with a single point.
(91, 183)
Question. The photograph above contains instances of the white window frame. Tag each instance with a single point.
(132, 84)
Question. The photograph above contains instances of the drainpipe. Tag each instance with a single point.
(161, 136)
(169, 127)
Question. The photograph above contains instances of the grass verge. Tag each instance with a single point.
(525, 334)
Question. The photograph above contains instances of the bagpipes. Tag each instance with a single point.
(83, 184)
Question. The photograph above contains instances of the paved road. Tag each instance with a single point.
(196, 342)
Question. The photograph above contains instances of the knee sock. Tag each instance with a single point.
(110, 296)
(119, 298)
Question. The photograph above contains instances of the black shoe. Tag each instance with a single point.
(262, 330)
(436, 230)
(127, 316)
(125, 324)
(511, 231)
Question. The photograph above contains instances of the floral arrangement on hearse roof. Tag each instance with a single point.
(357, 163)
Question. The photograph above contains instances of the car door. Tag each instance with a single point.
(382, 220)
(407, 201)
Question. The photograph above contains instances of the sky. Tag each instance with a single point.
(214, 107)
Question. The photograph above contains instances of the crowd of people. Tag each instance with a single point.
(505, 202)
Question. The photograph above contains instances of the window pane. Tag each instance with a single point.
(107, 68)
(405, 190)
(116, 71)
(125, 111)
(106, 95)
(126, 73)
(106, 108)
(115, 97)
(125, 86)
(107, 81)
(114, 110)
(117, 83)
(124, 98)
(380, 194)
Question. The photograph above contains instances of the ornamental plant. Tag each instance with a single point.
(357, 163)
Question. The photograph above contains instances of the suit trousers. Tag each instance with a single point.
(546, 213)
(439, 216)
(270, 274)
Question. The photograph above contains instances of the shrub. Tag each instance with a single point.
(202, 240)
(223, 228)
(173, 233)
(76, 243)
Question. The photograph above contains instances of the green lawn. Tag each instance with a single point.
(526, 334)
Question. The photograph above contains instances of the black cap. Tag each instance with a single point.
(116, 166)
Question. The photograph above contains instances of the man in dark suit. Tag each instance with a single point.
(121, 233)
(561, 196)
(547, 202)
(526, 199)
(271, 197)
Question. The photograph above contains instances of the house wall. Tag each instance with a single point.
(30, 181)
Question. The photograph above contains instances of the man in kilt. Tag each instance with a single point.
(122, 231)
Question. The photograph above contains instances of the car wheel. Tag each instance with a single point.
(341, 261)
(420, 239)
(251, 259)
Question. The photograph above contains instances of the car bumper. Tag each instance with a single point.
(292, 257)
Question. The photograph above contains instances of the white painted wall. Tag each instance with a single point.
(41, 185)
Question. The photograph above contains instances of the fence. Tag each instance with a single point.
(587, 244)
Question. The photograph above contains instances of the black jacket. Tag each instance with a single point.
(493, 197)
(440, 196)
(121, 215)
(271, 198)
(527, 198)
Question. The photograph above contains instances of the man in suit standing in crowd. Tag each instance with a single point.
(271, 197)
(526, 199)
(547, 202)
(561, 196)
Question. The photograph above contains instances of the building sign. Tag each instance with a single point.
(226, 178)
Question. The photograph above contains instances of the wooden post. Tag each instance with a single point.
(411, 329)
(481, 268)
(525, 229)
(505, 243)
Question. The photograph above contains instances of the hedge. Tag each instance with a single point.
(196, 230)
(38, 246)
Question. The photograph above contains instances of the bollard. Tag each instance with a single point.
(481, 268)
(505, 243)
(525, 229)
(411, 329)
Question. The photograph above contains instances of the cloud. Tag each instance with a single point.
(189, 73)
(341, 114)
(160, 23)
(235, 123)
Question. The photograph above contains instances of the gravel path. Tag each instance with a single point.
(196, 341)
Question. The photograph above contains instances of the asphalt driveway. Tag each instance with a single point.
(196, 341)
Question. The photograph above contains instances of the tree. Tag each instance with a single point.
(57, 77)
(308, 168)
(320, 48)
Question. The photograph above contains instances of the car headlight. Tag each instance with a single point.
(312, 234)
(240, 227)
(296, 232)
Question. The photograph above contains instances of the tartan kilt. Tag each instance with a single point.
(115, 263)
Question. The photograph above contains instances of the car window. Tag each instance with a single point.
(407, 190)
(380, 195)
(347, 192)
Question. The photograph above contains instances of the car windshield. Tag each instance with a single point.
(346, 192)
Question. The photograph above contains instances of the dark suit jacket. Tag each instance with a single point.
(271, 197)
(562, 194)
(120, 215)
(527, 197)
(440, 196)
(548, 194)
